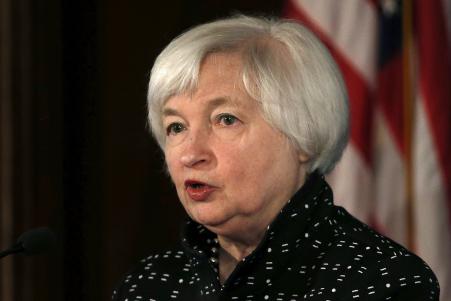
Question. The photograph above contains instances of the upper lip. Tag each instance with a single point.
(191, 182)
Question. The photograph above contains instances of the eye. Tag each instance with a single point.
(226, 119)
(174, 128)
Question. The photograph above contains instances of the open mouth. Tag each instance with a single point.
(194, 184)
(198, 191)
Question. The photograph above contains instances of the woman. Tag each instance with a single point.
(250, 114)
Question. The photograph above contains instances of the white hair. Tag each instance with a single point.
(285, 67)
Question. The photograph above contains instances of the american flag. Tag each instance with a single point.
(395, 174)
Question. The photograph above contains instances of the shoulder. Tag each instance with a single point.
(161, 273)
(373, 264)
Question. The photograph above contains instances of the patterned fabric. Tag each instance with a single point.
(312, 251)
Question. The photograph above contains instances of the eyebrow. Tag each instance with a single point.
(214, 103)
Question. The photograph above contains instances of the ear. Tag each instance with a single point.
(303, 157)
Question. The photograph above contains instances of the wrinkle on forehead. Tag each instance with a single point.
(221, 64)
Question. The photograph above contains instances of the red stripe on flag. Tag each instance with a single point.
(375, 3)
(390, 99)
(435, 80)
(360, 98)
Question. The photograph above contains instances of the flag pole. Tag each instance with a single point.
(408, 111)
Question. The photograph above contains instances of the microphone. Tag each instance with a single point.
(32, 242)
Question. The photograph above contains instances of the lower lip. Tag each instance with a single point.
(199, 194)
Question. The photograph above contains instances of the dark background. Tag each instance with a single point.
(84, 162)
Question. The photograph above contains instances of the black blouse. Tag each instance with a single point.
(312, 251)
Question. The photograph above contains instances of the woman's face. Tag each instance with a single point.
(232, 170)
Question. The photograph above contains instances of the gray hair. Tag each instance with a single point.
(285, 68)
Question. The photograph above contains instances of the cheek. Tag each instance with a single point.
(247, 183)
(245, 165)
(262, 161)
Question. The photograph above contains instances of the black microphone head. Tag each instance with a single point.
(37, 241)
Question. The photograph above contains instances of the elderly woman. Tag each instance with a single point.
(250, 114)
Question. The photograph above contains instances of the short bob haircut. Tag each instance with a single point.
(285, 68)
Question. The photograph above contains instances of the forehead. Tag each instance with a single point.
(221, 65)
(220, 83)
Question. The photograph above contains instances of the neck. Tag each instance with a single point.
(232, 252)
(236, 249)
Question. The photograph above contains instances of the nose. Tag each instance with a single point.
(197, 152)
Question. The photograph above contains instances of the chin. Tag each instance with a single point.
(211, 221)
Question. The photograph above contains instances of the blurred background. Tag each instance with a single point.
(76, 154)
